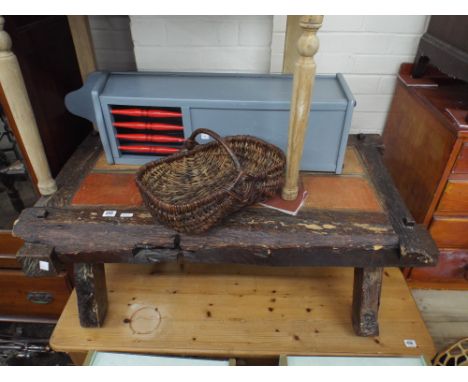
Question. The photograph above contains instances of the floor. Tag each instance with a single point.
(445, 313)
(27, 344)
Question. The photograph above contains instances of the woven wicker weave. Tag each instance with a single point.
(193, 190)
(454, 355)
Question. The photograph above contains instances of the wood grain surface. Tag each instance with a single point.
(461, 165)
(444, 313)
(8, 243)
(15, 287)
(237, 311)
(254, 235)
(454, 200)
(450, 232)
(415, 158)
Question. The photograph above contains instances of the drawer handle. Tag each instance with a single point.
(40, 297)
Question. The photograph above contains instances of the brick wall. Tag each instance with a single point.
(112, 40)
(368, 50)
(202, 43)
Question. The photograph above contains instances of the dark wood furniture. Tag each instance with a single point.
(24, 298)
(46, 54)
(445, 46)
(426, 152)
(356, 220)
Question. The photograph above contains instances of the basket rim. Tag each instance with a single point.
(185, 152)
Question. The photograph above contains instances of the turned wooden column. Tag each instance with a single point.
(12, 83)
(303, 84)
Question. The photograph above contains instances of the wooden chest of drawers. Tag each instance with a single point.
(426, 152)
(25, 298)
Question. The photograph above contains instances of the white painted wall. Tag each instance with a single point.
(202, 43)
(112, 40)
(367, 49)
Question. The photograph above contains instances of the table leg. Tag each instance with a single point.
(91, 292)
(366, 300)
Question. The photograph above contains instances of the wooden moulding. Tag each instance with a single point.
(366, 300)
(91, 291)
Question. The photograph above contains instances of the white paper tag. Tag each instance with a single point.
(109, 213)
(126, 214)
(44, 265)
(204, 136)
(410, 343)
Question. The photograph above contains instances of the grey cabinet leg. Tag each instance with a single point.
(91, 291)
(366, 300)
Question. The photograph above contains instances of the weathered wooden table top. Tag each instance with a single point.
(353, 219)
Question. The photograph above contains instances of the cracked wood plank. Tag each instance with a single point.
(254, 235)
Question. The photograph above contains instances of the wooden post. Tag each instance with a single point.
(81, 35)
(366, 301)
(12, 83)
(303, 83)
(91, 293)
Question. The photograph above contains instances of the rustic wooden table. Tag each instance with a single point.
(356, 219)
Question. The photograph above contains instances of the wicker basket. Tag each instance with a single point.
(192, 190)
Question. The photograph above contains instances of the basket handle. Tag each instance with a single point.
(191, 143)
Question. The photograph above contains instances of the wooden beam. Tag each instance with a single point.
(81, 35)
